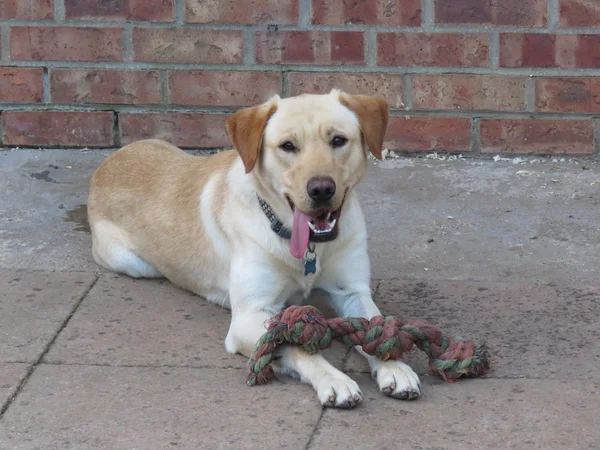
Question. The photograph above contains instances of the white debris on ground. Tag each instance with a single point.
(519, 160)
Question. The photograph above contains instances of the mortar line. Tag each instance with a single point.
(127, 36)
(59, 11)
(494, 49)
(32, 368)
(203, 109)
(116, 130)
(285, 84)
(475, 148)
(164, 87)
(428, 15)
(248, 46)
(530, 94)
(304, 14)
(597, 136)
(179, 13)
(553, 16)
(408, 92)
(440, 28)
(46, 86)
(5, 38)
(370, 48)
(438, 70)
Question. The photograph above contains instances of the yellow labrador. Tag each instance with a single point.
(257, 229)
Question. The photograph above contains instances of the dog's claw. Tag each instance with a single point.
(337, 398)
(412, 395)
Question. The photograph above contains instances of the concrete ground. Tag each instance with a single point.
(505, 252)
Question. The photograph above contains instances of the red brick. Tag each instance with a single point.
(104, 86)
(587, 52)
(222, 88)
(367, 12)
(527, 50)
(480, 92)
(579, 13)
(65, 44)
(243, 12)
(27, 9)
(568, 94)
(432, 49)
(536, 136)
(546, 50)
(529, 13)
(389, 86)
(21, 85)
(93, 129)
(310, 47)
(429, 134)
(171, 45)
(182, 130)
(146, 10)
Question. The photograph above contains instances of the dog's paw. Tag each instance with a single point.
(339, 391)
(398, 380)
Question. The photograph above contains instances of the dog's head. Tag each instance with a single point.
(307, 152)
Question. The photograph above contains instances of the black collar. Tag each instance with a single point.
(276, 224)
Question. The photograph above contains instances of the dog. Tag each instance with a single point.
(257, 228)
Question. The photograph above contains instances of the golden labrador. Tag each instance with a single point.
(258, 227)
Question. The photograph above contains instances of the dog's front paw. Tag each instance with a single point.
(398, 380)
(339, 391)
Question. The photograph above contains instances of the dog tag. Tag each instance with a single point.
(310, 260)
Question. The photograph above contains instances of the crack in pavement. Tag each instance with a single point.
(32, 368)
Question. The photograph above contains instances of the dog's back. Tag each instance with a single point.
(144, 206)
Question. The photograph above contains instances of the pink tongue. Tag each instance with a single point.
(300, 234)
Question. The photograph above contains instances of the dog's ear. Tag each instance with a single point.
(246, 128)
(372, 113)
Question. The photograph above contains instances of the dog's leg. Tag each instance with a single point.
(394, 378)
(111, 250)
(254, 300)
(349, 294)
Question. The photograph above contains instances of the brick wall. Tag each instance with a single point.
(490, 76)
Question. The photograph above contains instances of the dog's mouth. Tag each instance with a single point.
(323, 225)
(317, 226)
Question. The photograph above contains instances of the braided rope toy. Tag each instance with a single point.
(384, 337)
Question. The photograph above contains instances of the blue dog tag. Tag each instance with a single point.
(310, 266)
(310, 260)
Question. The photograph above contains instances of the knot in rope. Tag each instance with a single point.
(384, 337)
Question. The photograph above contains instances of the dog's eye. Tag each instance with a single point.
(288, 147)
(338, 141)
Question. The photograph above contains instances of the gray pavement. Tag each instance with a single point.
(505, 252)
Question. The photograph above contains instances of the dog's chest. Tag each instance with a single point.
(305, 279)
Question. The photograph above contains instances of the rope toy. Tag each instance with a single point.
(384, 337)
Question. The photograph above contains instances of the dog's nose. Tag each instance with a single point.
(321, 189)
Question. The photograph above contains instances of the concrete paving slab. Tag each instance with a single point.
(480, 220)
(150, 323)
(79, 407)
(476, 414)
(428, 219)
(33, 307)
(11, 375)
(43, 193)
(532, 331)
